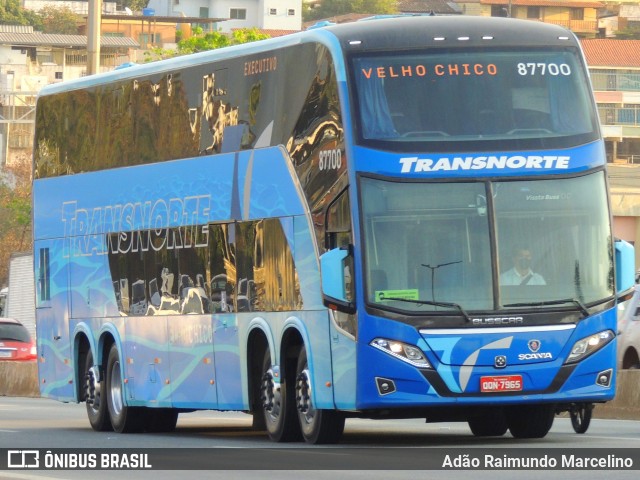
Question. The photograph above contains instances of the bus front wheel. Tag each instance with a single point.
(124, 419)
(489, 423)
(530, 421)
(318, 426)
(278, 403)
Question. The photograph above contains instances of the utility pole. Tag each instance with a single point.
(93, 36)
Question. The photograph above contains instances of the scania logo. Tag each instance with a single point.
(534, 345)
(500, 361)
(536, 356)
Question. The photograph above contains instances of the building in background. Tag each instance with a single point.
(614, 66)
(30, 60)
(261, 14)
(580, 16)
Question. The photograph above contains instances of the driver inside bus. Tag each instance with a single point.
(521, 273)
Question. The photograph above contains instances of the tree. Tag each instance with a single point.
(15, 216)
(12, 13)
(200, 42)
(59, 20)
(332, 8)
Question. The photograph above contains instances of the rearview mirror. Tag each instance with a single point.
(337, 279)
(625, 266)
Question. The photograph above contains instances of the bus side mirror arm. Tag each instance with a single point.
(336, 271)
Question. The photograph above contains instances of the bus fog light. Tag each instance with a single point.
(586, 346)
(604, 378)
(402, 351)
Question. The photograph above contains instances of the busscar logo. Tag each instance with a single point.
(497, 321)
(23, 459)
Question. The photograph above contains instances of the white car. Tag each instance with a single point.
(629, 331)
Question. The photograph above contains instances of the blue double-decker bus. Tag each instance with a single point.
(401, 217)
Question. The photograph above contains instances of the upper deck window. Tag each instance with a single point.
(471, 100)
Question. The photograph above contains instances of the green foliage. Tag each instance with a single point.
(158, 53)
(59, 20)
(332, 8)
(200, 41)
(12, 13)
(15, 214)
(632, 32)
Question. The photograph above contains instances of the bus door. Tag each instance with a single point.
(52, 320)
(193, 374)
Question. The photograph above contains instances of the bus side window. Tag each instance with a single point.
(339, 235)
(338, 222)
(222, 268)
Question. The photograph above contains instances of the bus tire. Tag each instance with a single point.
(490, 423)
(95, 399)
(580, 414)
(530, 421)
(161, 420)
(124, 419)
(278, 405)
(317, 426)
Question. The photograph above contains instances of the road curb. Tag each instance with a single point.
(626, 404)
(19, 379)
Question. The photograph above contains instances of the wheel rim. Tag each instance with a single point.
(92, 399)
(116, 389)
(306, 411)
(270, 395)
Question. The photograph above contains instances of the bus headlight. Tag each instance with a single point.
(586, 346)
(402, 351)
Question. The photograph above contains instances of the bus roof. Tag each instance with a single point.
(394, 33)
(442, 31)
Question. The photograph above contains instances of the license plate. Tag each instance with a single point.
(503, 383)
(5, 354)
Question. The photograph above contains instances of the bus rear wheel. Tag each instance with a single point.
(277, 405)
(318, 426)
(530, 421)
(94, 397)
(124, 419)
(161, 420)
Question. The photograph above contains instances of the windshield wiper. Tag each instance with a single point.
(435, 304)
(581, 306)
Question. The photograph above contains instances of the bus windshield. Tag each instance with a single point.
(519, 98)
(431, 243)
